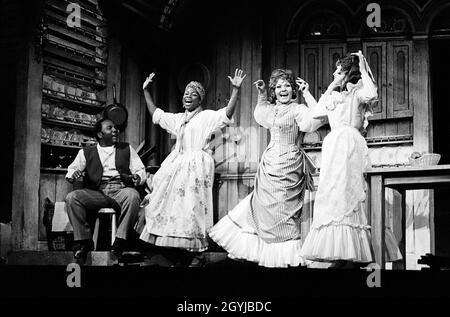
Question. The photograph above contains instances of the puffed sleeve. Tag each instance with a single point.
(216, 119)
(263, 111)
(166, 120)
(305, 120)
(78, 164)
(318, 109)
(368, 92)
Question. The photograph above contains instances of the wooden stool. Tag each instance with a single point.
(111, 212)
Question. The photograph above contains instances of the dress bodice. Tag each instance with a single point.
(344, 110)
(350, 107)
(284, 129)
(286, 122)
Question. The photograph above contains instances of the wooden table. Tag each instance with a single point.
(400, 179)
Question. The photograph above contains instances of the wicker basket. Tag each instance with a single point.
(426, 159)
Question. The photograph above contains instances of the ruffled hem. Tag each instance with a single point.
(245, 244)
(347, 240)
(347, 218)
(189, 244)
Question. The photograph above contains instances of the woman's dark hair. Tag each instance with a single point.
(285, 74)
(350, 64)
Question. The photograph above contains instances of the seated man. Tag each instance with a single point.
(112, 170)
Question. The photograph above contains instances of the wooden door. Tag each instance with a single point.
(318, 62)
(331, 54)
(375, 53)
(399, 74)
(311, 67)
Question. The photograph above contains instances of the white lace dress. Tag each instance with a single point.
(180, 208)
(340, 230)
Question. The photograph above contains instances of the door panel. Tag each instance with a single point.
(375, 54)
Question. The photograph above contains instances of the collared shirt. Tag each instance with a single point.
(108, 161)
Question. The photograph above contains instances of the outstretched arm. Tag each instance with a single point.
(148, 97)
(309, 118)
(263, 113)
(236, 83)
(304, 89)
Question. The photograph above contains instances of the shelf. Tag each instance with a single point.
(72, 76)
(373, 141)
(52, 170)
(66, 146)
(56, 62)
(87, 16)
(78, 48)
(61, 21)
(67, 124)
(94, 15)
(51, 94)
(58, 29)
(388, 140)
(73, 55)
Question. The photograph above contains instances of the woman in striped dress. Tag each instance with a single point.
(265, 226)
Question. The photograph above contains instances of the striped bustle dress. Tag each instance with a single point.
(265, 226)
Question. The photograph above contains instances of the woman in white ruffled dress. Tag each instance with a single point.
(265, 226)
(180, 207)
(340, 232)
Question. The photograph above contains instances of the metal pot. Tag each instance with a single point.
(116, 112)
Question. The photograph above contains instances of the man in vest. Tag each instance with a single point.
(112, 170)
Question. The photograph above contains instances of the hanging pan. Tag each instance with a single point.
(116, 112)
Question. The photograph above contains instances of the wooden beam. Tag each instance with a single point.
(27, 143)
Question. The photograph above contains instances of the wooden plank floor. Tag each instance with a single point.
(104, 258)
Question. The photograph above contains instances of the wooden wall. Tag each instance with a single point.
(54, 187)
(233, 41)
(237, 34)
(263, 41)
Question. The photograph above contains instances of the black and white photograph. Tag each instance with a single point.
(226, 156)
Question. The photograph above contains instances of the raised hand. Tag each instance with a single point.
(148, 80)
(362, 61)
(303, 86)
(260, 85)
(236, 81)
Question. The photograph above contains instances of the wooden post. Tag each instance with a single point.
(131, 95)
(400, 225)
(113, 69)
(423, 136)
(27, 143)
(377, 210)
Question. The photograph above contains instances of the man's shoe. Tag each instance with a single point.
(198, 261)
(82, 249)
(118, 247)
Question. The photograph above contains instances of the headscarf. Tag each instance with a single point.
(198, 88)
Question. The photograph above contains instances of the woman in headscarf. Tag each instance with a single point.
(265, 226)
(339, 231)
(180, 208)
